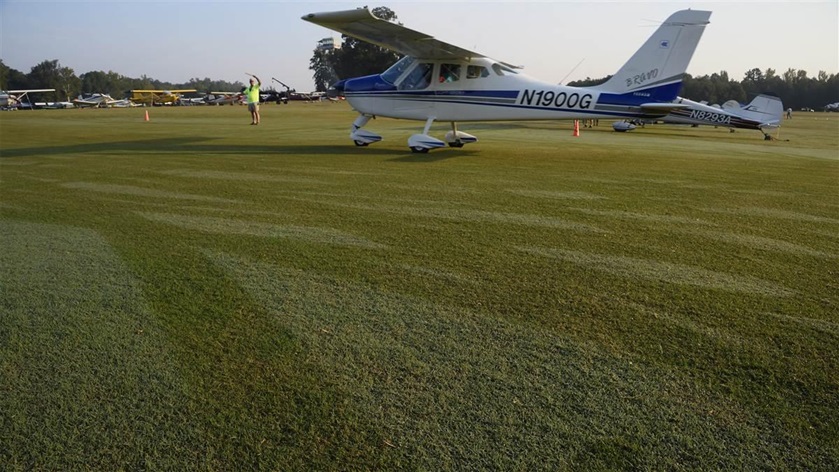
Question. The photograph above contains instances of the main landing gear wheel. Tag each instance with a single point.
(419, 149)
(458, 144)
(360, 143)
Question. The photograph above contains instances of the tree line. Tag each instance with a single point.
(793, 87)
(50, 74)
(357, 58)
(797, 90)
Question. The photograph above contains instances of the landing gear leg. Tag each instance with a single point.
(457, 143)
(457, 138)
(363, 137)
(423, 142)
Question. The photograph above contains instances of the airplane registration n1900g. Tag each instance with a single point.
(437, 81)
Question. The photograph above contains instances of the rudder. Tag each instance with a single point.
(766, 109)
(664, 57)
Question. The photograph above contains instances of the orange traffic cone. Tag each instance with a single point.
(576, 128)
(147, 116)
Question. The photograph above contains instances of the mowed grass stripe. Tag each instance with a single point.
(252, 228)
(767, 244)
(449, 370)
(324, 307)
(82, 357)
(663, 272)
(139, 191)
(462, 215)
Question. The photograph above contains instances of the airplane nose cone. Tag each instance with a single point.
(370, 83)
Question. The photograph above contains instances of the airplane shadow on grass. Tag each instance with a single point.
(199, 146)
(433, 156)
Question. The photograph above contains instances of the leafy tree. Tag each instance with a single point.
(50, 74)
(715, 89)
(794, 87)
(4, 76)
(94, 81)
(754, 75)
(354, 58)
(12, 79)
(18, 80)
(321, 63)
(589, 82)
(208, 85)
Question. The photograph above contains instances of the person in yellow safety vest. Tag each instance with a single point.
(252, 95)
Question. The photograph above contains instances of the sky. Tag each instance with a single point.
(555, 41)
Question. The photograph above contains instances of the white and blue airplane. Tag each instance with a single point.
(764, 112)
(14, 99)
(437, 81)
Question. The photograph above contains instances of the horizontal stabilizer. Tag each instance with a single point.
(663, 107)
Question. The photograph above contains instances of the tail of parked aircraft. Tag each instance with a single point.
(659, 65)
(764, 109)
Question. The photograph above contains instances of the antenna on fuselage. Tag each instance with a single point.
(572, 71)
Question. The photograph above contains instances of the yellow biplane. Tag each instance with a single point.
(157, 97)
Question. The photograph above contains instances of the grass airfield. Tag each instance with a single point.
(196, 293)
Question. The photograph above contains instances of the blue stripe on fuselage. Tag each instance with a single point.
(628, 104)
(496, 94)
(660, 94)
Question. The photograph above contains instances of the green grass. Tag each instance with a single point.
(197, 293)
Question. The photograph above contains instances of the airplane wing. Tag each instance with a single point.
(30, 91)
(362, 24)
(163, 91)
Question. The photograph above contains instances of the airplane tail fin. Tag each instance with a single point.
(765, 109)
(659, 65)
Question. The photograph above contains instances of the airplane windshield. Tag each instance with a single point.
(418, 78)
(395, 71)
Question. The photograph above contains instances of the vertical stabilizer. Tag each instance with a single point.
(664, 58)
(765, 109)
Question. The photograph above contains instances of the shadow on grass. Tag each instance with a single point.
(433, 156)
(188, 145)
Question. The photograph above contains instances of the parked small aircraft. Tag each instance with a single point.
(50, 105)
(764, 112)
(223, 98)
(469, 86)
(100, 100)
(13, 99)
(156, 97)
(273, 96)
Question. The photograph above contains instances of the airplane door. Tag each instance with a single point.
(448, 89)
(416, 96)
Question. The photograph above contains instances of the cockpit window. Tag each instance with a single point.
(393, 72)
(503, 70)
(418, 78)
(449, 73)
(474, 72)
